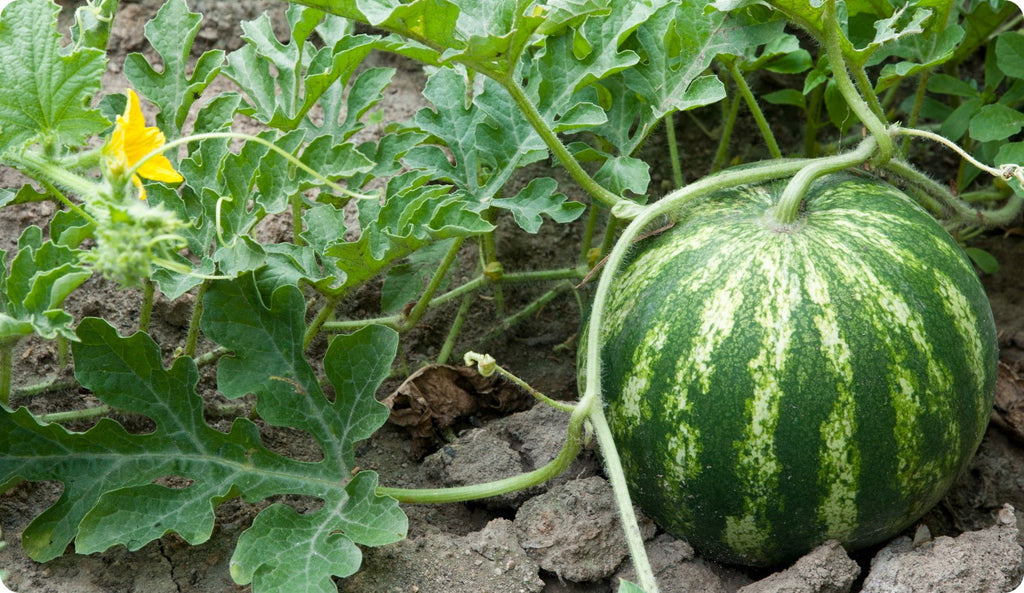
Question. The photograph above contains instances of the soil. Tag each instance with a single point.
(561, 537)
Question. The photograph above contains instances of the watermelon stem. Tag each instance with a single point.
(555, 145)
(788, 208)
(962, 210)
(487, 366)
(841, 74)
(751, 101)
(1006, 172)
(620, 491)
(673, 149)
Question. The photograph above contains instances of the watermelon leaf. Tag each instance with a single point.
(33, 289)
(285, 80)
(44, 91)
(176, 86)
(111, 494)
(985, 261)
(539, 198)
(996, 122)
(488, 138)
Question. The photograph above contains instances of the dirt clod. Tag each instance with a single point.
(573, 530)
(506, 447)
(983, 561)
(827, 569)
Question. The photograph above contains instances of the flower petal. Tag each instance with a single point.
(137, 182)
(131, 141)
(159, 168)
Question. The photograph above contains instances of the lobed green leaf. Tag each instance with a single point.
(113, 480)
(32, 291)
(178, 84)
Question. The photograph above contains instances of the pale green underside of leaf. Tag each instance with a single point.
(628, 587)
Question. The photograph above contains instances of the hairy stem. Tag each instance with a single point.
(51, 174)
(435, 281)
(211, 357)
(297, 207)
(789, 203)
(6, 371)
(730, 111)
(915, 110)
(587, 242)
(1007, 172)
(146, 309)
(867, 91)
(536, 305)
(856, 102)
(192, 337)
(490, 264)
(755, 109)
(73, 415)
(395, 321)
(534, 117)
(813, 121)
(964, 212)
(455, 329)
(570, 449)
(44, 387)
(320, 320)
(488, 366)
(673, 149)
(63, 351)
(620, 491)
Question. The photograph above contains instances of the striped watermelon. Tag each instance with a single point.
(772, 387)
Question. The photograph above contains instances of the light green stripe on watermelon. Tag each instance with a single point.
(758, 463)
(840, 466)
(638, 383)
(694, 369)
(960, 311)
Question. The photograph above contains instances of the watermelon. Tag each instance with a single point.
(772, 386)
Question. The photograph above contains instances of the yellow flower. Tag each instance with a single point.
(132, 140)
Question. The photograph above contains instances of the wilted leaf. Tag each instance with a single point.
(437, 398)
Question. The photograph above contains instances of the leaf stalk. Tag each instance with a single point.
(841, 74)
(755, 109)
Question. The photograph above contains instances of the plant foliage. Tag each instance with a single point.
(597, 87)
